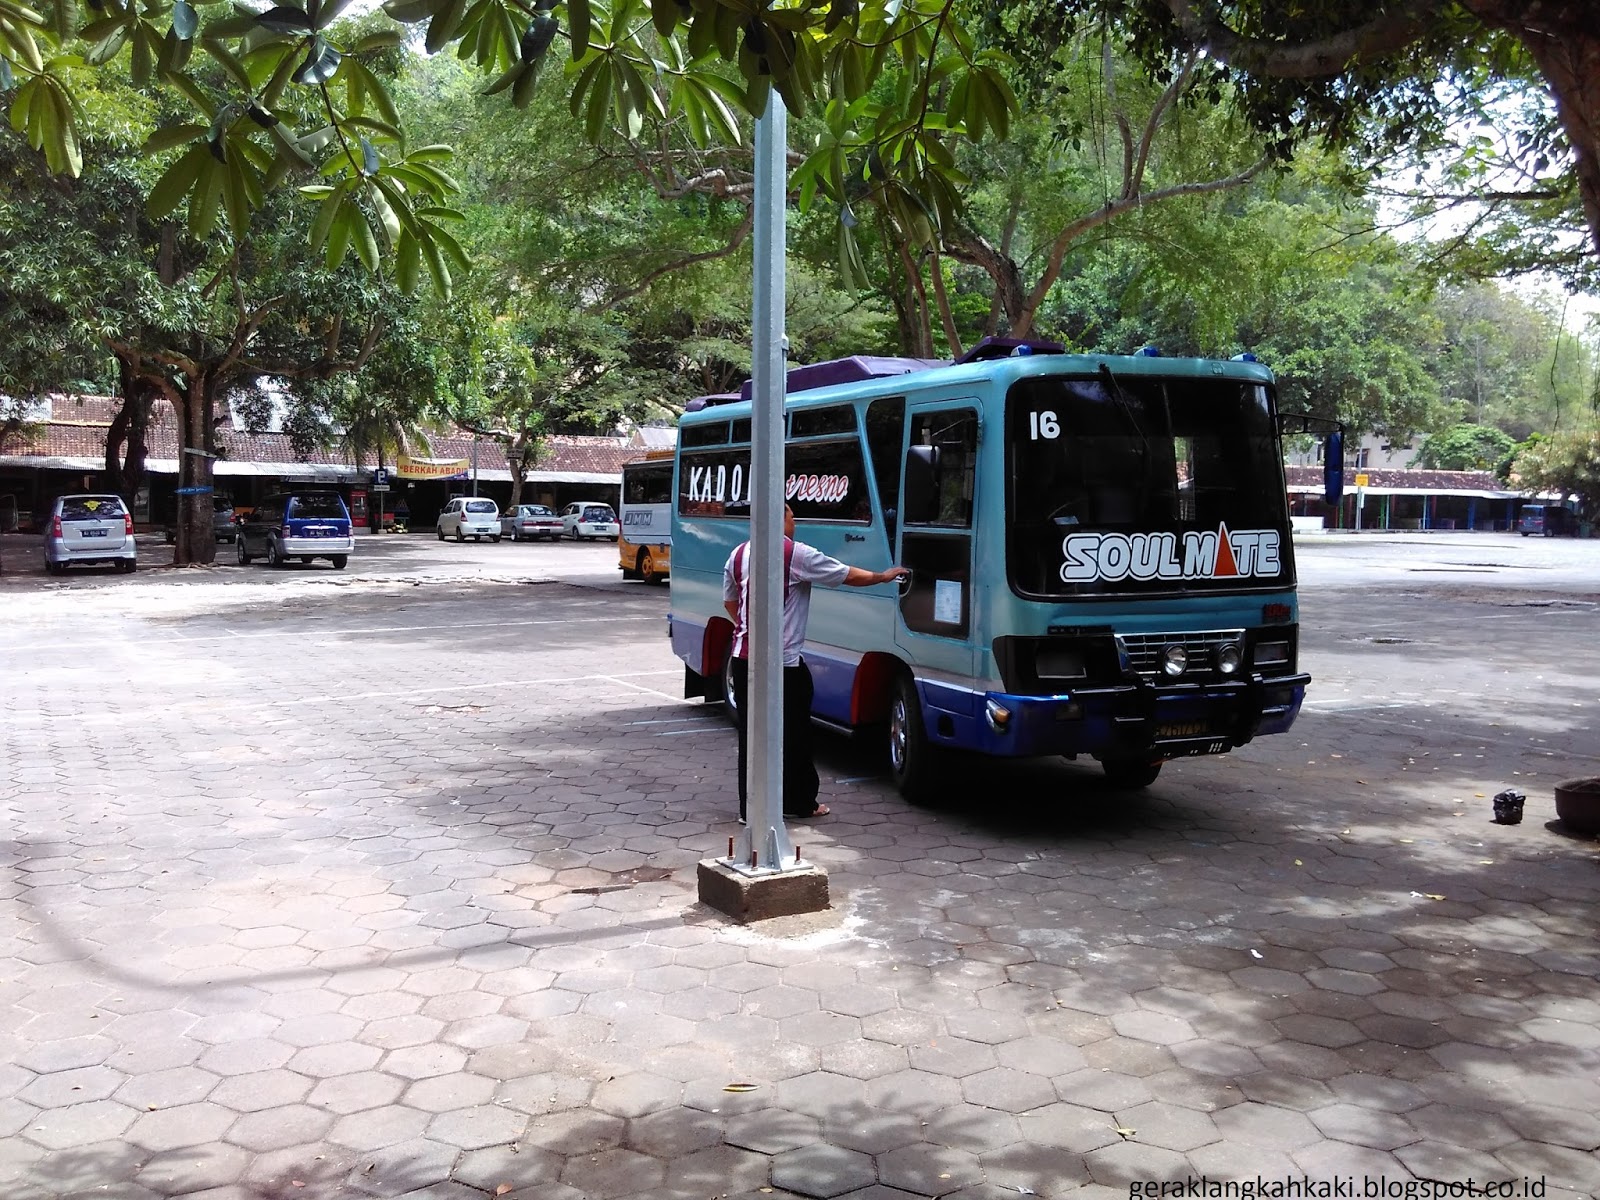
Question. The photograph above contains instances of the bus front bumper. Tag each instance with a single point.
(1141, 719)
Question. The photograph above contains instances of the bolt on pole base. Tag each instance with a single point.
(760, 895)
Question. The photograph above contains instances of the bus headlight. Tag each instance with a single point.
(1229, 659)
(1175, 660)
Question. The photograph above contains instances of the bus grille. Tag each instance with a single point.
(1146, 649)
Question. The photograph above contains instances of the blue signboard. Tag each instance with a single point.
(192, 491)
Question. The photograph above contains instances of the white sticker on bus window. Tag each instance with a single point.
(1145, 556)
(947, 601)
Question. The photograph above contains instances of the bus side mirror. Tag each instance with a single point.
(1333, 468)
(922, 487)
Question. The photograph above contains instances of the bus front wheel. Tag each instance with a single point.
(911, 757)
(1130, 774)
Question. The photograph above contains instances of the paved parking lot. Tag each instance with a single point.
(381, 882)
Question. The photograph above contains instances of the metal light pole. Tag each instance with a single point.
(764, 844)
(474, 462)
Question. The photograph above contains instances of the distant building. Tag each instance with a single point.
(62, 448)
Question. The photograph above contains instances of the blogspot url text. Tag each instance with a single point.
(1353, 1187)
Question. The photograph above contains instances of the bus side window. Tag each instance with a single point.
(937, 517)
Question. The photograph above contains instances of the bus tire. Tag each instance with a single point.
(647, 568)
(1130, 774)
(912, 763)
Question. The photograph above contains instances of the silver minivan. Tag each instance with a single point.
(89, 529)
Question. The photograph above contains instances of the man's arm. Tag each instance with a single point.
(860, 578)
(733, 610)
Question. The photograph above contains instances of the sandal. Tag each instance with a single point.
(820, 810)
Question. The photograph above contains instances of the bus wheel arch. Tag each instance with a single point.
(715, 646)
(872, 688)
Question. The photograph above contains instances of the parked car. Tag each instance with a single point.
(586, 519)
(222, 523)
(530, 521)
(89, 529)
(1550, 520)
(470, 517)
(304, 525)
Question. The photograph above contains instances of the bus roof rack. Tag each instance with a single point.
(855, 369)
(1004, 347)
(711, 401)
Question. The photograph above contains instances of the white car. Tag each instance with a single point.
(470, 517)
(588, 519)
(89, 529)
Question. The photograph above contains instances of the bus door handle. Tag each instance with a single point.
(904, 583)
(855, 537)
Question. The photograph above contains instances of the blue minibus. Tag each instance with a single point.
(1099, 551)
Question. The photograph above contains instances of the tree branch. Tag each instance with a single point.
(735, 240)
(1377, 38)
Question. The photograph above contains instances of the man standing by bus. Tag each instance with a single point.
(803, 566)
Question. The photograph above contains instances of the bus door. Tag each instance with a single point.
(936, 625)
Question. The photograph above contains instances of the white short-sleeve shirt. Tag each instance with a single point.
(807, 566)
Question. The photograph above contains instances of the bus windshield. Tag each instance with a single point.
(1138, 484)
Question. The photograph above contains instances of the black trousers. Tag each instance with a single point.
(800, 782)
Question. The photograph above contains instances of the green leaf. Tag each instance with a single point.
(204, 197)
(444, 25)
(522, 87)
(226, 59)
(321, 63)
(408, 263)
(339, 236)
(285, 19)
(332, 201)
(384, 39)
(184, 20)
(366, 244)
(369, 157)
(437, 269)
(236, 196)
(594, 119)
(166, 139)
(580, 20)
(176, 181)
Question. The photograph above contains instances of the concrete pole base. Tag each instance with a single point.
(746, 898)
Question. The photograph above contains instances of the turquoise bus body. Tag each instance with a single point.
(1100, 553)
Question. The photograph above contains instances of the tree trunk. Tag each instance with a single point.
(130, 428)
(197, 539)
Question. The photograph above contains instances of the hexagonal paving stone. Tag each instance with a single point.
(674, 1131)
(376, 1128)
(1267, 1126)
(635, 1094)
(279, 1128)
(1169, 1126)
(353, 1093)
(970, 1127)
(522, 1167)
(953, 1056)
(612, 1173)
(444, 1093)
(186, 1125)
(1149, 1026)
(928, 1169)
(475, 1128)
(1105, 1090)
(80, 1124)
(772, 1130)
(1068, 1127)
(822, 1171)
(261, 1090)
(1007, 1090)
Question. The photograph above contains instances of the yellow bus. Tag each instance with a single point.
(644, 545)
